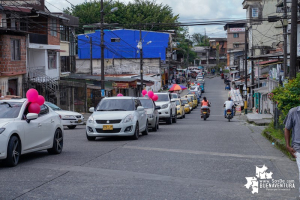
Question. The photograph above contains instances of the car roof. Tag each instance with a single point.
(176, 99)
(122, 97)
(145, 98)
(20, 100)
(183, 98)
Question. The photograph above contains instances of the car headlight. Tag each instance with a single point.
(91, 119)
(164, 106)
(150, 115)
(128, 118)
(1, 130)
(68, 117)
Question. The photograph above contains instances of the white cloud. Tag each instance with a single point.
(188, 10)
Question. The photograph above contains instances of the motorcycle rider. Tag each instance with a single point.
(205, 104)
(229, 105)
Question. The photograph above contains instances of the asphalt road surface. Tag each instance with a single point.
(192, 159)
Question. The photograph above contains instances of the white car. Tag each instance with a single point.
(22, 132)
(168, 111)
(69, 118)
(117, 116)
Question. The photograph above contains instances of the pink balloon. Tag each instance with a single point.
(32, 95)
(40, 100)
(119, 95)
(34, 108)
(155, 97)
(150, 94)
(144, 92)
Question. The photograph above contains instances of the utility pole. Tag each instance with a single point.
(102, 47)
(141, 59)
(293, 51)
(246, 74)
(252, 76)
(285, 39)
(91, 54)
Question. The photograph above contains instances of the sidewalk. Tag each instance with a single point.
(259, 119)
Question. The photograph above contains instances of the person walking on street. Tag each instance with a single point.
(292, 122)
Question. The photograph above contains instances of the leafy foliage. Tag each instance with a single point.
(200, 40)
(128, 15)
(287, 97)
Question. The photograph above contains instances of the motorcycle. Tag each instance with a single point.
(205, 113)
(229, 114)
(227, 87)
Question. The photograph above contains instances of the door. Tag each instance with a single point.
(142, 115)
(38, 133)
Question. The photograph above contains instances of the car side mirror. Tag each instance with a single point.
(92, 109)
(31, 116)
(140, 108)
(157, 107)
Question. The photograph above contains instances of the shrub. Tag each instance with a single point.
(287, 97)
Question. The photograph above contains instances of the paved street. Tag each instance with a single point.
(193, 159)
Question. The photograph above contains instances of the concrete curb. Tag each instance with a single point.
(277, 143)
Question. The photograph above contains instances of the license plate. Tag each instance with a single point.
(204, 112)
(228, 113)
(108, 127)
(79, 121)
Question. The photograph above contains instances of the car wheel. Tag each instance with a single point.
(169, 120)
(72, 127)
(156, 126)
(145, 132)
(90, 138)
(136, 132)
(13, 152)
(174, 120)
(58, 143)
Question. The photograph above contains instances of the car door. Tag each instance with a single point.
(36, 132)
(141, 115)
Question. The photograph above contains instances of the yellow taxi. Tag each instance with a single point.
(191, 99)
(194, 99)
(180, 108)
(186, 104)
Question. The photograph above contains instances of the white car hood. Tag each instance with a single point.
(66, 112)
(149, 111)
(5, 121)
(160, 103)
(111, 115)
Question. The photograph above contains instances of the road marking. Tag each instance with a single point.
(206, 153)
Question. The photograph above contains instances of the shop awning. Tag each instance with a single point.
(269, 62)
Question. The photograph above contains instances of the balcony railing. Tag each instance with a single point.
(38, 38)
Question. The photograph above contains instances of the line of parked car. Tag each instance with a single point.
(22, 132)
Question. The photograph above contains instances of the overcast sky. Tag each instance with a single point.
(188, 10)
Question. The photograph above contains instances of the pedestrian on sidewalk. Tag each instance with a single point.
(292, 122)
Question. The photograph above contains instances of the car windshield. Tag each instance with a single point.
(174, 95)
(53, 106)
(193, 88)
(184, 101)
(116, 105)
(10, 109)
(147, 103)
(177, 102)
(163, 97)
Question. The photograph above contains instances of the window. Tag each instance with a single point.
(236, 45)
(52, 60)
(254, 12)
(236, 35)
(15, 49)
(203, 54)
(53, 27)
(44, 110)
(115, 39)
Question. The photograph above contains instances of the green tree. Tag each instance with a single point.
(200, 40)
(128, 15)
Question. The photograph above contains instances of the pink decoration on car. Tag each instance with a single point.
(32, 95)
(155, 97)
(40, 100)
(150, 94)
(34, 108)
(144, 92)
(119, 95)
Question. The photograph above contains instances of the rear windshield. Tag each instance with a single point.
(147, 103)
(163, 97)
(10, 109)
(184, 101)
(116, 105)
(177, 102)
